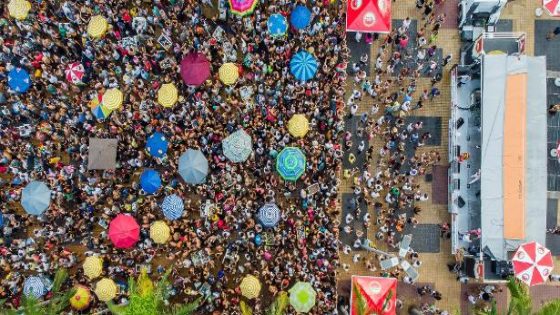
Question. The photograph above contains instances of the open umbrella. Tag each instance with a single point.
(81, 299)
(300, 17)
(156, 145)
(35, 198)
(172, 207)
(112, 99)
(167, 95)
(250, 287)
(269, 215)
(229, 73)
(277, 25)
(19, 80)
(552, 6)
(19, 9)
(93, 266)
(159, 232)
(98, 109)
(105, 289)
(290, 163)
(34, 286)
(124, 232)
(75, 73)
(298, 125)
(97, 26)
(242, 7)
(193, 167)
(150, 181)
(302, 297)
(303, 66)
(195, 69)
(532, 263)
(238, 146)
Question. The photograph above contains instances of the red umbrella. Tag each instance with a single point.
(75, 72)
(195, 69)
(552, 6)
(532, 263)
(124, 232)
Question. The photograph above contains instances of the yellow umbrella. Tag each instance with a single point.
(298, 125)
(112, 99)
(228, 73)
(97, 26)
(159, 232)
(106, 290)
(167, 95)
(250, 287)
(93, 266)
(81, 299)
(19, 9)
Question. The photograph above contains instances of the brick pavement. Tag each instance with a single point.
(433, 269)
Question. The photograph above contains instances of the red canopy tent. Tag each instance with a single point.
(373, 295)
(368, 16)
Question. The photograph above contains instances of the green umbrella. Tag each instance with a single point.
(290, 163)
(302, 297)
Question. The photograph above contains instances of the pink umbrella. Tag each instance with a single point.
(552, 6)
(75, 72)
(532, 263)
(124, 232)
(242, 7)
(195, 69)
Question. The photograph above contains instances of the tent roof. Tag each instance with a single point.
(102, 154)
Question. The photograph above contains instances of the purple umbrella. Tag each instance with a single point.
(195, 69)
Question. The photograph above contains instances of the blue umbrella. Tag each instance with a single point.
(157, 145)
(300, 17)
(277, 25)
(19, 80)
(193, 167)
(238, 146)
(1, 220)
(303, 66)
(172, 207)
(290, 163)
(35, 198)
(150, 181)
(34, 286)
(269, 215)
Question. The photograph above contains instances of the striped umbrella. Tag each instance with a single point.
(242, 7)
(172, 207)
(75, 73)
(105, 289)
(302, 297)
(303, 66)
(298, 125)
(19, 9)
(97, 26)
(81, 299)
(532, 263)
(228, 73)
(277, 25)
(269, 215)
(290, 163)
(93, 266)
(112, 99)
(159, 232)
(36, 198)
(157, 145)
(238, 146)
(34, 286)
(167, 95)
(250, 287)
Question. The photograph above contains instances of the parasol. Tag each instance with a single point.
(150, 181)
(303, 66)
(302, 297)
(269, 215)
(75, 73)
(172, 207)
(19, 9)
(93, 266)
(124, 232)
(298, 125)
(238, 146)
(35, 198)
(81, 299)
(229, 73)
(97, 26)
(277, 25)
(532, 263)
(156, 145)
(112, 99)
(34, 286)
(552, 6)
(250, 287)
(242, 7)
(195, 69)
(167, 95)
(19, 80)
(300, 17)
(159, 232)
(105, 289)
(193, 167)
(290, 163)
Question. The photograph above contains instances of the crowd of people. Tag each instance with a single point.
(44, 137)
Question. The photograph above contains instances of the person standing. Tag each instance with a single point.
(552, 34)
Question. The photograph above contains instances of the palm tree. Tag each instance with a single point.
(278, 307)
(145, 298)
(520, 303)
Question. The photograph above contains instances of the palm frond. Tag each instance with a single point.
(59, 278)
(116, 309)
(362, 305)
(245, 309)
(550, 308)
(520, 303)
(278, 307)
(59, 302)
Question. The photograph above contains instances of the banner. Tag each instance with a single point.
(368, 16)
